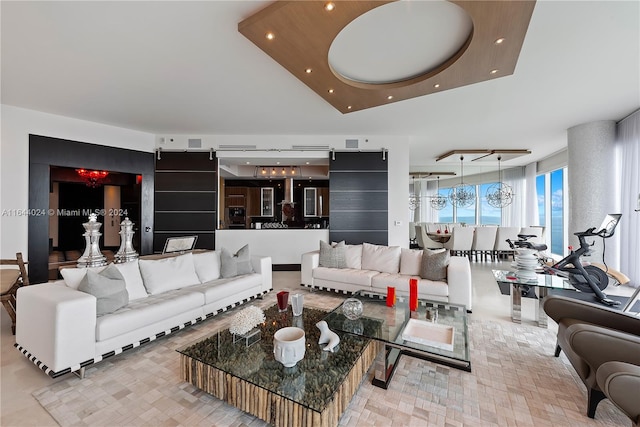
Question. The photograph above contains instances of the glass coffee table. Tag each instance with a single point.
(316, 391)
(402, 331)
(541, 284)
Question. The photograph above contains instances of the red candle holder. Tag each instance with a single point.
(283, 300)
(413, 294)
(391, 296)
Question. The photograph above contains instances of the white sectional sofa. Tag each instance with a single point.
(59, 330)
(373, 268)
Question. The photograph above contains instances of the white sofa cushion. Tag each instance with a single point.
(358, 277)
(219, 289)
(410, 261)
(161, 275)
(132, 278)
(353, 256)
(207, 265)
(385, 259)
(426, 288)
(147, 311)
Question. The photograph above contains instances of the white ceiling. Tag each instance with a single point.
(183, 68)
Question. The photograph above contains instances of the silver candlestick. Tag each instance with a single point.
(92, 257)
(126, 252)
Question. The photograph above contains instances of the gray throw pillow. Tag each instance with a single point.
(434, 265)
(109, 288)
(232, 265)
(333, 256)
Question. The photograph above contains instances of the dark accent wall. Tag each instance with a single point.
(358, 188)
(186, 198)
(45, 152)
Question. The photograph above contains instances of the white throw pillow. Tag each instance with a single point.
(73, 276)
(207, 265)
(385, 259)
(132, 278)
(161, 275)
(353, 256)
(410, 261)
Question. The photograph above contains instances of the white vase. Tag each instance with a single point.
(289, 345)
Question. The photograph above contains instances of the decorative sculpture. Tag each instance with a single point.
(327, 336)
(92, 257)
(126, 252)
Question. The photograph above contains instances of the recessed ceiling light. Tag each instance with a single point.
(308, 70)
(306, 163)
(494, 71)
(390, 97)
(437, 85)
(329, 6)
(330, 91)
(348, 107)
(270, 36)
(248, 163)
(277, 163)
(499, 41)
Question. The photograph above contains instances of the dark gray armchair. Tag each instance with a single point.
(594, 337)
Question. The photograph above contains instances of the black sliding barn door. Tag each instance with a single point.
(186, 186)
(358, 198)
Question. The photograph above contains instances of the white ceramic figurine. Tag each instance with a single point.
(327, 336)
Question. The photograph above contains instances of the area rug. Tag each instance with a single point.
(515, 380)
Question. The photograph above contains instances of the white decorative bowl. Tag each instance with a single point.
(289, 345)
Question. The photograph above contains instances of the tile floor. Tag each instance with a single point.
(19, 378)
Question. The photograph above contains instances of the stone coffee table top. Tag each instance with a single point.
(313, 382)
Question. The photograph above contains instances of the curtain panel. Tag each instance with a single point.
(628, 150)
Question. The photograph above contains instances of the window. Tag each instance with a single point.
(488, 214)
(557, 212)
(446, 214)
(540, 189)
(551, 191)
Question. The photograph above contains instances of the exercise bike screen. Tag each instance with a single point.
(609, 225)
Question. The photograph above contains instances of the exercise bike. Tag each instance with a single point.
(585, 278)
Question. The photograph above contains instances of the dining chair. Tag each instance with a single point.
(502, 248)
(484, 240)
(461, 241)
(11, 279)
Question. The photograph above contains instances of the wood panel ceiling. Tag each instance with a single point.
(304, 30)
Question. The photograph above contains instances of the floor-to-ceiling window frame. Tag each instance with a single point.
(553, 200)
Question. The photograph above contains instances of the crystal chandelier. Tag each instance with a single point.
(414, 199)
(462, 195)
(499, 194)
(438, 201)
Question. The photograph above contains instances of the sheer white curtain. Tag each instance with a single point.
(531, 214)
(513, 215)
(628, 145)
(426, 189)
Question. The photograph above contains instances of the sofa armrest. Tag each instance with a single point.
(558, 308)
(310, 260)
(620, 382)
(597, 345)
(56, 324)
(459, 281)
(263, 266)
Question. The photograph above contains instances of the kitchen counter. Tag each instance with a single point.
(283, 245)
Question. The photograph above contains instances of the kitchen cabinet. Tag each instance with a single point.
(266, 201)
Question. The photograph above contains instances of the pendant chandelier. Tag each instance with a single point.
(414, 199)
(499, 194)
(92, 178)
(438, 201)
(462, 195)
